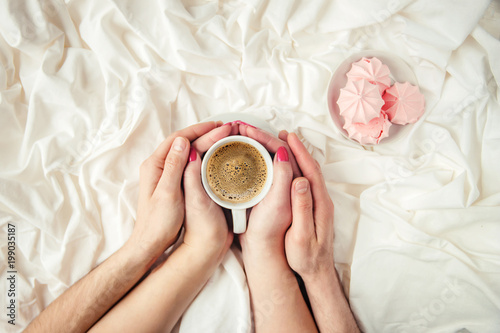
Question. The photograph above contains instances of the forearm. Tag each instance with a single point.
(163, 296)
(329, 304)
(277, 303)
(78, 308)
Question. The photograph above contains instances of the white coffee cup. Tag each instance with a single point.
(239, 209)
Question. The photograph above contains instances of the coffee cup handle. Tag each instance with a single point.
(239, 220)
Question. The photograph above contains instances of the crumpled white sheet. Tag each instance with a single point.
(89, 88)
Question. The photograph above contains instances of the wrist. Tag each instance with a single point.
(146, 251)
(195, 259)
(148, 248)
(207, 246)
(320, 279)
(203, 252)
(259, 252)
(258, 242)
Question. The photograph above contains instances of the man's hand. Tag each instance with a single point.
(160, 212)
(205, 224)
(159, 220)
(275, 296)
(309, 244)
(309, 241)
(171, 286)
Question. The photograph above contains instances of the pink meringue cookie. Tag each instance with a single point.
(360, 102)
(404, 103)
(373, 70)
(371, 133)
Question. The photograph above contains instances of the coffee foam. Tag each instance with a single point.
(236, 172)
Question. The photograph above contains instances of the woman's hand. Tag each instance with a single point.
(269, 219)
(271, 143)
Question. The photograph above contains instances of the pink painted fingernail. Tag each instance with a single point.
(282, 154)
(192, 155)
(243, 123)
(239, 122)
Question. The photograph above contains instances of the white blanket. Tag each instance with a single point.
(88, 88)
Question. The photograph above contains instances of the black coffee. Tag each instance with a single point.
(236, 172)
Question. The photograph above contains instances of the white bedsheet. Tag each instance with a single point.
(88, 88)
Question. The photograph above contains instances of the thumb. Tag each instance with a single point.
(193, 189)
(302, 209)
(282, 177)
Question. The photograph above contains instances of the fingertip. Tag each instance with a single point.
(179, 150)
(193, 154)
(282, 154)
(283, 135)
(192, 173)
(302, 201)
(282, 174)
(301, 186)
(180, 143)
(234, 129)
(175, 163)
(194, 157)
(243, 129)
(302, 207)
(292, 138)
